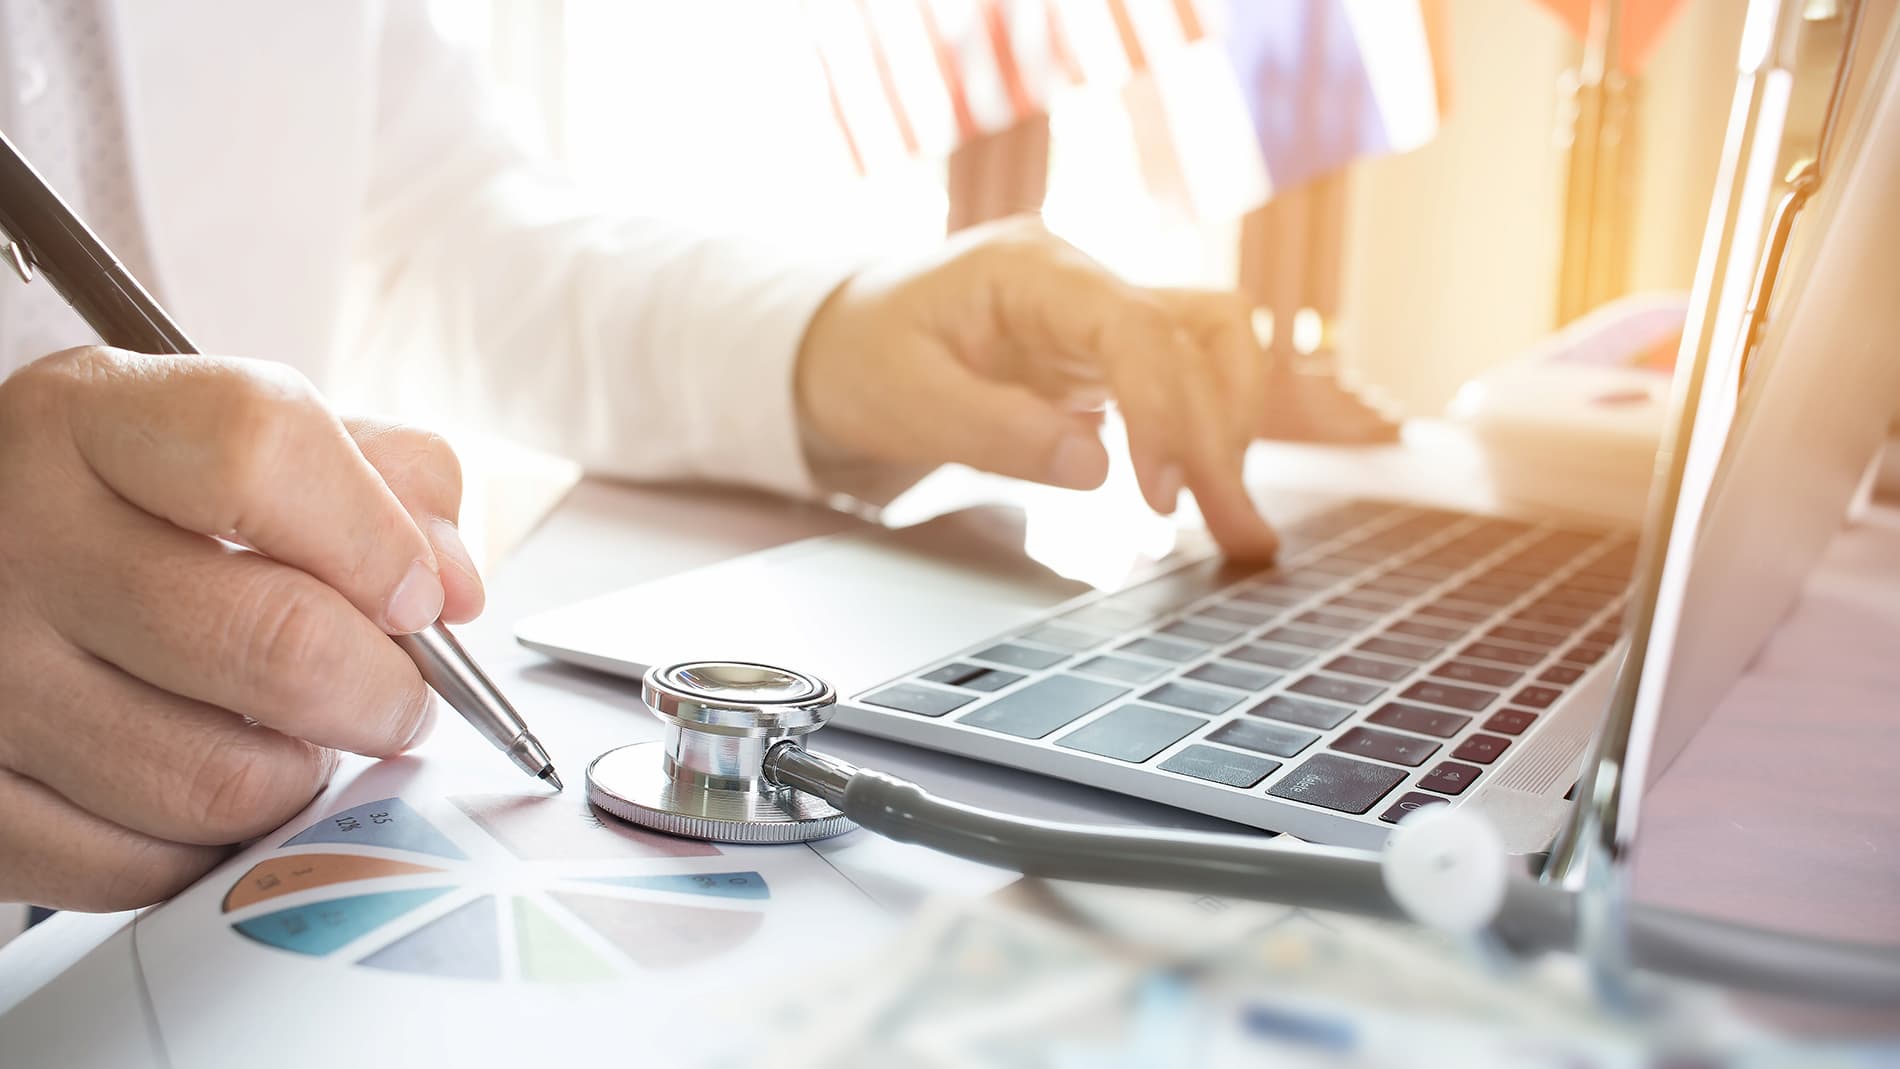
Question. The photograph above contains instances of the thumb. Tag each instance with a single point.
(1002, 427)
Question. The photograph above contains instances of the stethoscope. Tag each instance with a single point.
(733, 768)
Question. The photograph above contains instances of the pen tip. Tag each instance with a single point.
(553, 778)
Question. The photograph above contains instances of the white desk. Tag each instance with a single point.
(1781, 812)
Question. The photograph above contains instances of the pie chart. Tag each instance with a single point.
(499, 887)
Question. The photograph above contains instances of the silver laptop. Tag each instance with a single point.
(1398, 655)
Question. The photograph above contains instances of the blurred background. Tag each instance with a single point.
(1423, 188)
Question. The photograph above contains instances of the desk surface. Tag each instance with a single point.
(1779, 813)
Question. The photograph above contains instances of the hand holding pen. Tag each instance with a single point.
(163, 692)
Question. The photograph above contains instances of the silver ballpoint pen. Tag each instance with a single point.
(39, 233)
(461, 682)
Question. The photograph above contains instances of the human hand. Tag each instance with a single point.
(999, 350)
(164, 693)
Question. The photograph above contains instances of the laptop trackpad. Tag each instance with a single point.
(856, 609)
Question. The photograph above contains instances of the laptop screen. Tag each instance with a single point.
(1771, 440)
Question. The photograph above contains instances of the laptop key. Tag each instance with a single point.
(1537, 697)
(1312, 714)
(1551, 616)
(1364, 553)
(1410, 802)
(1338, 783)
(993, 680)
(1128, 671)
(1262, 737)
(1021, 656)
(1561, 674)
(1300, 636)
(1162, 649)
(1414, 652)
(1335, 621)
(1385, 746)
(1449, 777)
(1272, 656)
(1528, 636)
(1132, 733)
(1483, 674)
(1238, 676)
(1350, 691)
(1510, 721)
(924, 701)
(1597, 584)
(1483, 749)
(1584, 653)
(1581, 599)
(1462, 613)
(1043, 706)
(1492, 651)
(1274, 597)
(1332, 566)
(1368, 668)
(1420, 719)
(1365, 605)
(1556, 632)
(1177, 588)
(1470, 699)
(1484, 594)
(1237, 613)
(1419, 629)
(972, 677)
(1215, 765)
(1305, 578)
(1397, 584)
(1212, 632)
(1193, 699)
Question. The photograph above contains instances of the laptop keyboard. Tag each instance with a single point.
(1395, 646)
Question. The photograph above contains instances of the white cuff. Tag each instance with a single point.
(741, 419)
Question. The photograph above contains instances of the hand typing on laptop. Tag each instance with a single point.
(999, 350)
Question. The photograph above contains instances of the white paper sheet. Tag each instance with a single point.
(444, 909)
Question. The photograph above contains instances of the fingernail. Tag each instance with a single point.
(1077, 462)
(448, 543)
(416, 603)
(1168, 487)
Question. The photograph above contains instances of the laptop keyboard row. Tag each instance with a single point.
(1397, 643)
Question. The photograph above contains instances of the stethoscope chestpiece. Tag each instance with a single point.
(705, 779)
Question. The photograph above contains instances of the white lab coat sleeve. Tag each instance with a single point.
(640, 348)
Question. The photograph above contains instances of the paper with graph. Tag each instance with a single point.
(444, 909)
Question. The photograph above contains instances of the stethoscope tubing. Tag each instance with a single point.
(1534, 917)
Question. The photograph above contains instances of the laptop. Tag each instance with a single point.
(1398, 654)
